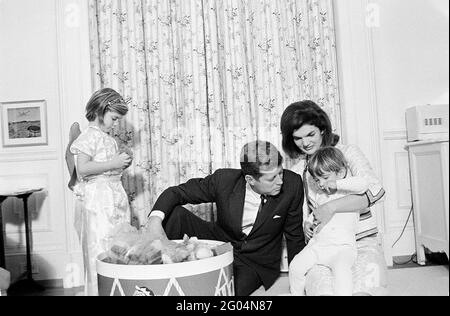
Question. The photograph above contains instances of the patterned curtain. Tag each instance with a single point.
(262, 55)
(206, 76)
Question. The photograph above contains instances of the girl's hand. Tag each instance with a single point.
(130, 161)
(122, 161)
(129, 152)
(308, 229)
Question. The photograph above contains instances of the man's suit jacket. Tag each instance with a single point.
(261, 249)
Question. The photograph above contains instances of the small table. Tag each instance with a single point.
(429, 186)
(28, 285)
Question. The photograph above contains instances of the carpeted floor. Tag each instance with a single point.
(420, 281)
(417, 281)
(407, 281)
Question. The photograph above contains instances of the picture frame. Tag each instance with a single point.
(24, 123)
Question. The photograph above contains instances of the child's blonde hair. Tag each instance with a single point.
(105, 100)
(326, 159)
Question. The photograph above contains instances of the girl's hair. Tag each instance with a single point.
(298, 114)
(105, 100)
(326, 159)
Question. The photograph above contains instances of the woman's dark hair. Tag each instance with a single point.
(298, 114)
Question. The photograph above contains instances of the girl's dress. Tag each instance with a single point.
(105, 202)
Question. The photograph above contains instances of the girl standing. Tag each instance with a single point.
(99, 166)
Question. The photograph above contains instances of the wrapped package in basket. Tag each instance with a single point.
(128, 246)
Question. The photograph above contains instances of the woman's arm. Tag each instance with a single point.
(360, 166)
(347, 204)
(87, 167)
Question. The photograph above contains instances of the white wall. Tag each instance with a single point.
(411, 56)
(393, 54)
(411, 68)
(44, 55)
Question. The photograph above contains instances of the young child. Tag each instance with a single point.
(99, 167)
(335, 244)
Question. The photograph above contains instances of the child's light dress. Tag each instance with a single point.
(105, 202)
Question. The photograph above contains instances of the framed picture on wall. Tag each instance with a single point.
(24, 123)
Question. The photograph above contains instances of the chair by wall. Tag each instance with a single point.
(70, 159)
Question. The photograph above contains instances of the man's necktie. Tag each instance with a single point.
(261, 205)
(263, 201)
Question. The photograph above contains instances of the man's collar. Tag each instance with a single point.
(249, 188)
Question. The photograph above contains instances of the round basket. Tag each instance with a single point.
(207, 277)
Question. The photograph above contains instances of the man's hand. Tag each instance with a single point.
(154, 229)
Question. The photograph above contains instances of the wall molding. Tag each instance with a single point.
(398, 224)
(399, 134)
(52, 265)
(74, 72)
(20, 250)
(29, 155)
(402, 180)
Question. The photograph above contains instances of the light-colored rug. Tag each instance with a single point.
(420, 281)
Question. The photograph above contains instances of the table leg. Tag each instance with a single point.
(28, 285)
(27, 236)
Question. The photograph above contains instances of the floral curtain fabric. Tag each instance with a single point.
(206, 76)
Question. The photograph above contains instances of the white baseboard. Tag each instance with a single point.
(67, 267)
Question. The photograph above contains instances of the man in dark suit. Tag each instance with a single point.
(255, 207)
